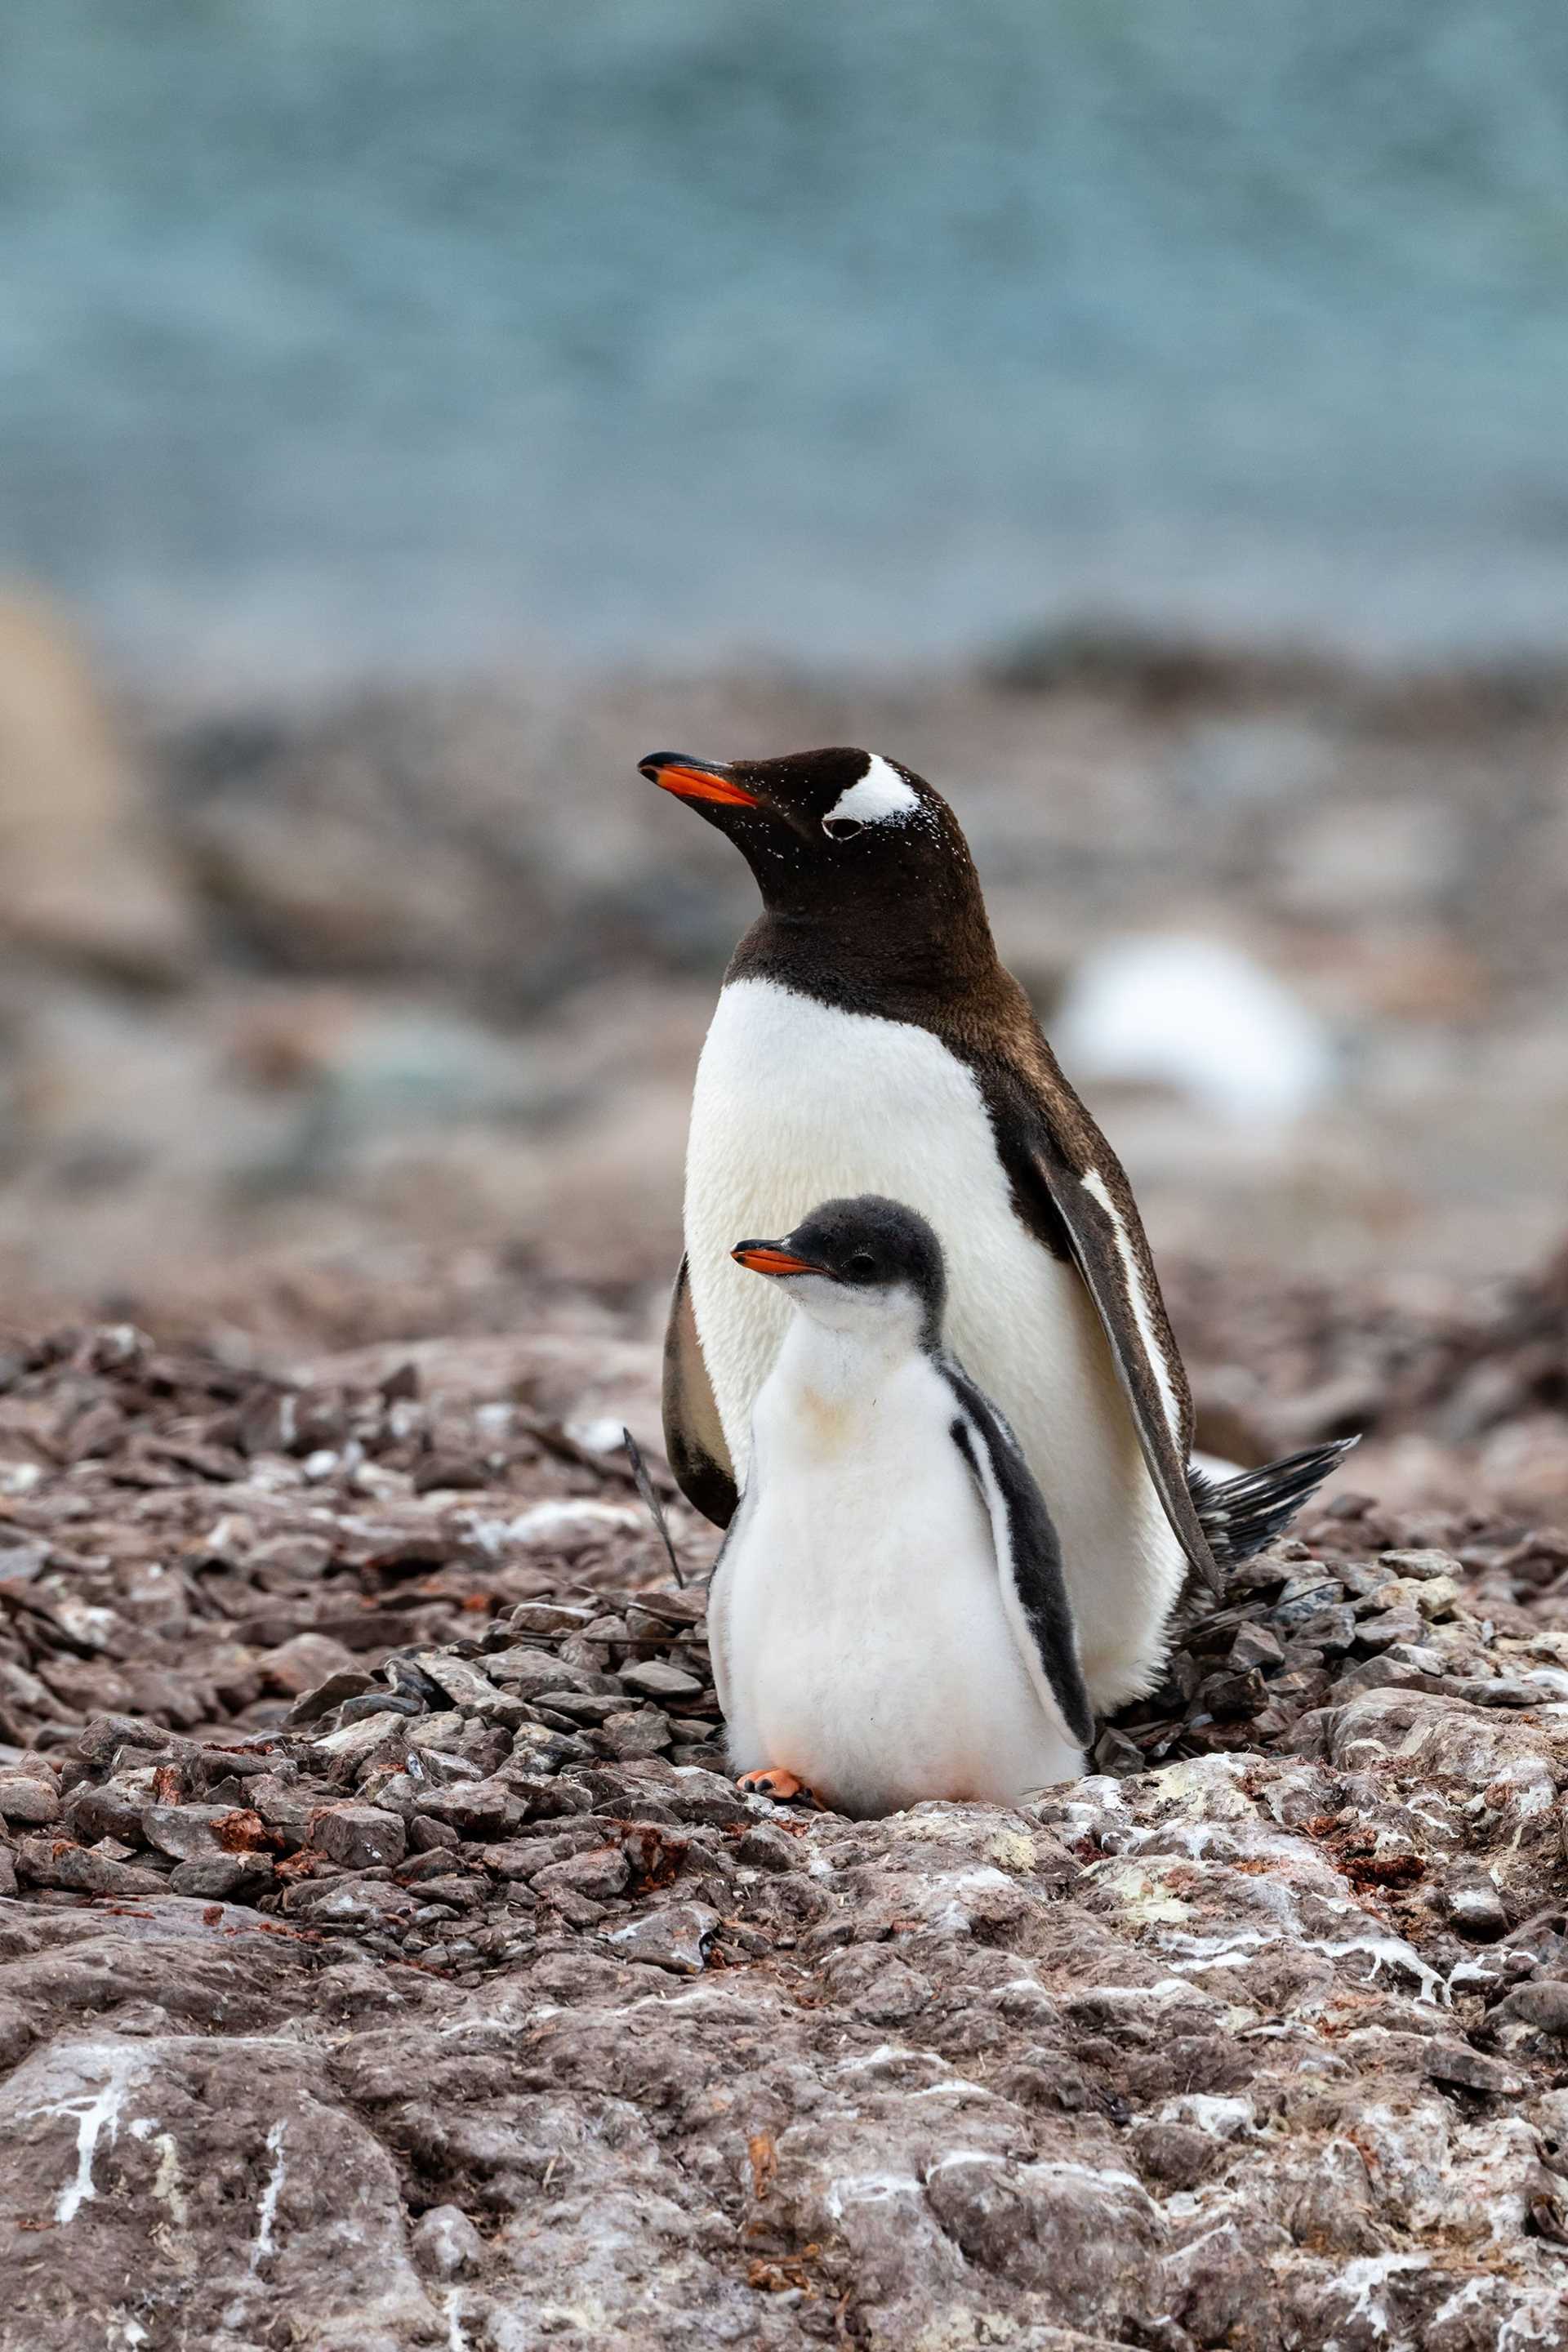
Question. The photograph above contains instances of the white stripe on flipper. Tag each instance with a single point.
(880, 797)
(1095, 1185)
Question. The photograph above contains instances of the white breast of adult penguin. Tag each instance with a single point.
(797, 1101)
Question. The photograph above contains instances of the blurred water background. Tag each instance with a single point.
(381, 335)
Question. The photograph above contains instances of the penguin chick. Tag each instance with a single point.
(889, 1619)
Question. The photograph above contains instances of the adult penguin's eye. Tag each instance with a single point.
(862, 1264)
(841, 828)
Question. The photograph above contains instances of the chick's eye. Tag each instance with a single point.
(862, 1263)
(841, 828)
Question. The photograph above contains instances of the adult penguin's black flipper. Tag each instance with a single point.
(693, 1433)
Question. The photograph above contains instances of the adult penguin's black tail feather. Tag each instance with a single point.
(1239, 1516)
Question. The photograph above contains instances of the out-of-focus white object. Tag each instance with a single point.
(1198, 1015)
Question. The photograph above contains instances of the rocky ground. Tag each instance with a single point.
(390, 1963)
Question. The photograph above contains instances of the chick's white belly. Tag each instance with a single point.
(796, 1102)
(874, 1661)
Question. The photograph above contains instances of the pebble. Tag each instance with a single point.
(1475, 1906)
(25, 1799)
(358, 1836)
(445, 2245)
(1542, 2005)
(677, 1938)
(656, 1678)
(597, 1875)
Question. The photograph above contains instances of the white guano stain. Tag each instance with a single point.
(958, 2088)
(266, 2212)
(888, 2053)
(1222, 2118)
(94, 2113)
(1363, 2280)
(867, 2188)
(1239, 1946)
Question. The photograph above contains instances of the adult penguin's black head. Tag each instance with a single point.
(828, 832)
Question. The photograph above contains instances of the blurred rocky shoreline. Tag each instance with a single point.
(431, 965)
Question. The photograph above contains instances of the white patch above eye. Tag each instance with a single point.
(880, 797)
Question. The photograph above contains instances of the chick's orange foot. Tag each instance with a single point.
(783, 1788)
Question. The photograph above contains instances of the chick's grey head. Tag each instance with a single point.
(861, 1260)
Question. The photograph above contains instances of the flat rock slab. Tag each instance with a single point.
(1149, 2055)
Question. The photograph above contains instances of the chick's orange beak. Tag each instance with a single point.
(766, 1258)
(696, 780)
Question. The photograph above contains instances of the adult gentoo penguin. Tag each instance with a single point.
(867, 1039)
(888, 1617)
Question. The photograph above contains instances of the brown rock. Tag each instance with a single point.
(446, 2243)
(85, 873)
(25, 1799)
(599, 1874)
(655, 1678)
(1541, 2005)
(358, 1836)
(297, 1665)
(57, 1861)
(677, 1938)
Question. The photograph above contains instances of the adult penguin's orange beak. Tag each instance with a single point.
(696, 780)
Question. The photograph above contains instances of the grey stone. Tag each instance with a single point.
(676, 1939)
(188, 1832)
(349, 1903)
(25, 1799)
(1455, 2062)
(599, 1874)
(1542, 2005)
(1380, 1630)
(358, 1836)
(113, 1808)
(223, 1877)
(445, 2245)
(1422, 1565)
(1474, 1906)
(481, 1809)
(56, 1862)
(656, 1678)
(645, 1733)
(765, 1846)
(695, 1794)
(529, 1674)
(1256, 1645)
(545, 1620)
